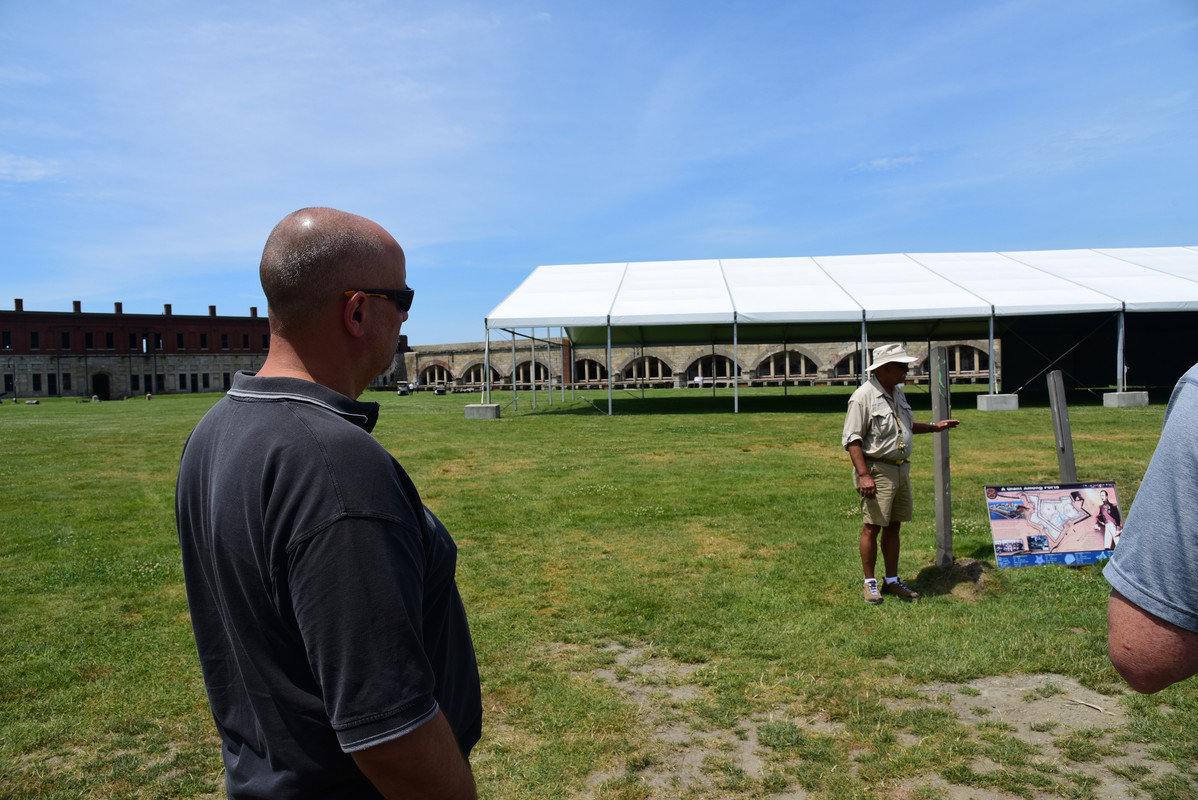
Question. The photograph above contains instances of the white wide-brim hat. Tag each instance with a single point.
(888, 354)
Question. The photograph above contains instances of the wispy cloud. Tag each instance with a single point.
(19, 169)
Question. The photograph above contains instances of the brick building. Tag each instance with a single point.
(115, 355)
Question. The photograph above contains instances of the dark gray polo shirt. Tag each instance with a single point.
(322, 593)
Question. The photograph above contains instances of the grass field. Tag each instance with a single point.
(665, 603)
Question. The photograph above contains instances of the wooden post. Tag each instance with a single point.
(1060, 426)
(941, 409)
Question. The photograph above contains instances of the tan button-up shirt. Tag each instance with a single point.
(874, 420)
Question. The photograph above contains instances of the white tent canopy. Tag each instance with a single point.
(826, 298)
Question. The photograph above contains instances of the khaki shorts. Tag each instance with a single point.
(893, 502)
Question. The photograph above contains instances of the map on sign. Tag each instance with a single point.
(1066, 523)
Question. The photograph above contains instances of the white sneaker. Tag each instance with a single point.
(871, 594)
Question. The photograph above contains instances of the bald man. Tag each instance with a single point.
(332, 638)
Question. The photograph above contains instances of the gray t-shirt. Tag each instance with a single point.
(1155, 565)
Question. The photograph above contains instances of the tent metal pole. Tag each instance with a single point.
(609, 377)
(993, 387)
(487, 364)
(549, 361)
(735, 369)
(1119, 365)
(532, 365)
(785, 367)
(561, 357)
(515, 396)
(861, 365)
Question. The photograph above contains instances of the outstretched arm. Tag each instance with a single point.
(934, 427)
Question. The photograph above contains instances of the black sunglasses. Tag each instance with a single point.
(401, 297)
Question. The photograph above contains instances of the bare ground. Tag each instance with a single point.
(1070, 734)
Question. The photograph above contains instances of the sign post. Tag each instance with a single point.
(941, 409)
(1060, 427)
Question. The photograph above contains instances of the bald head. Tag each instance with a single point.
(315, 254)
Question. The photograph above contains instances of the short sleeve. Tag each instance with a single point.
(357, 592)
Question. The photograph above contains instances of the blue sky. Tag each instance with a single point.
(148, 147)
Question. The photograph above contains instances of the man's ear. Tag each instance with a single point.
(353, 315)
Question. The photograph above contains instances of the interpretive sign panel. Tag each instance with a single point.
(1060, 523)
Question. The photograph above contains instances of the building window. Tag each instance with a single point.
(265, 341)
(224, 341)
(89, 340)
(109, 341)
(245, 341)
(179, 341)
(225, 379)
(157, 341)
(37, 381)
(160, 382)
(6, 339)
(203, 341)
(206, 380)
(66, 381)
(8, 383)
(182, 380)
(66, 340)
(135, 383)
(133, 341)
(51, 383)
(35, 341)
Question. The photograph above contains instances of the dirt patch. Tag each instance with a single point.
(1068, 739)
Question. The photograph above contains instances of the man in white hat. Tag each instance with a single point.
(877, 435)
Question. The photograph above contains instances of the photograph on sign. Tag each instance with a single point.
(1063, 523)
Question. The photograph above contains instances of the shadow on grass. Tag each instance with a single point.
(967, 578)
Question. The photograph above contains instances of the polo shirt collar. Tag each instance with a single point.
(248, 386)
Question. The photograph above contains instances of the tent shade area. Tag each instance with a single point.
(1046, 295)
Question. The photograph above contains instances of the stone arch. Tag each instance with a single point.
(521, 375)
(473, 374)
(647, 370)
(782, 363)
(435, 373)
(847, 367)
(706, 368)
(589, 371)
(967, 363)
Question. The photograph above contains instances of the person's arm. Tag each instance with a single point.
(935, 427)
(1147, 651)
(865, 481)
(425, 763)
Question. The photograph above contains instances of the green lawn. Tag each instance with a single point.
(665, 603)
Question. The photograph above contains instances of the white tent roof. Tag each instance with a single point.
(693, 301)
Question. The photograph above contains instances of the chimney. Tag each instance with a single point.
(18, 304)
(212, 311)
(78, 306)
(116, 308)
(254, 311)
(166, 309)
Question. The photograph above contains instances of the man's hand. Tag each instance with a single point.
(866, 486)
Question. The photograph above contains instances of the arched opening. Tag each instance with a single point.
(101, 386)
(523, 378)
(435, 375)
(648, 371)
(967, 363)
(788, 365)
(848, 367)
(705, 370)
(589, 373)
(474, 376)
